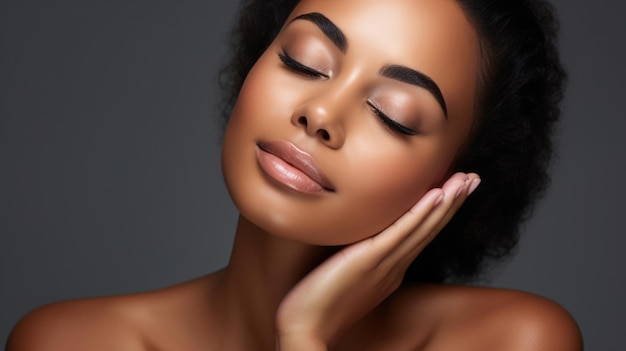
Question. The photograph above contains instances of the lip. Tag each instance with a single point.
(292, 167)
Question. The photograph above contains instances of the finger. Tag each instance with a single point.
(444, 217)
(471, 186)
(384, 249)
(423, 233)
(408, 231)
(386, 241)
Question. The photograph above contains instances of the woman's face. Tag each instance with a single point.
(356, 109)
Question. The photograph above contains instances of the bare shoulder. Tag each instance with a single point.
(89, 324)
(124, 323)
(461, 317)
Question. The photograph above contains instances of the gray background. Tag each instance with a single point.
(109, 158)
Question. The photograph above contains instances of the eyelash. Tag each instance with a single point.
(295, 65)
(389, 122)
(299, 67)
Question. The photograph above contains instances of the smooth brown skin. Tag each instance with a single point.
(280, 289)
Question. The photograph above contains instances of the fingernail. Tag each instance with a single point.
(473, 186)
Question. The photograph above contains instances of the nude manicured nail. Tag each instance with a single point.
(473, 186)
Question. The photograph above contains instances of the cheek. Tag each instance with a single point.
(269, 95)
(258, 106)
(258, 99)
(383, 192)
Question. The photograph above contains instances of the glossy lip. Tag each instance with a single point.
(297, 159)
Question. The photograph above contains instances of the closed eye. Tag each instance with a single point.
(389, 122)
(296, 66)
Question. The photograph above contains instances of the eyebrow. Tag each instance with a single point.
(413, 77)
(328, 28)
(396, 72)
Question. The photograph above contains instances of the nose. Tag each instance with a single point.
(321, 118)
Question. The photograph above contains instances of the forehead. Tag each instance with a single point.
(432, 36)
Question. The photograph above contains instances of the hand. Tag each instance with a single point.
(348, 285)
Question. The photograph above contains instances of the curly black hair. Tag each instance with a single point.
(521, 86)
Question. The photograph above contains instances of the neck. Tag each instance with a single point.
(262, 270)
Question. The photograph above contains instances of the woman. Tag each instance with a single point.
(360, 130)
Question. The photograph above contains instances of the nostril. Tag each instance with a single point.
(325, 135)
(302, 120)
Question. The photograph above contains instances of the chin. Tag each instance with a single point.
(304, 223)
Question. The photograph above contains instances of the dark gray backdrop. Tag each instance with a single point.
(109, 158)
